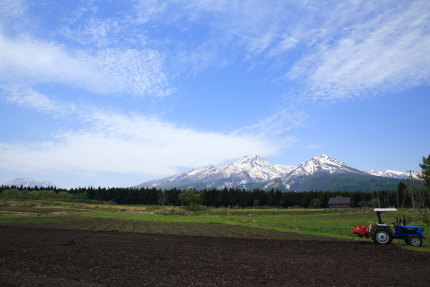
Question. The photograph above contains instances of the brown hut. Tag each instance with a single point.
(339, 202)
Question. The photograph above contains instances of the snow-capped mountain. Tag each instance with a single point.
(251, 170)
(29, 183)
(247, 170)
(318, 164)
(319, 173)
(180, 179)
(255, 167)
(393, 174)
(322, 163)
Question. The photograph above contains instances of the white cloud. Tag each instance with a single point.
(101, 32)
(131, 144)
(255, 25)
(279, 123)
(387, 51)
(29, 61)
(148, 9)
(341, 49)
(348, 49)
(137, 72)
(11, 9)
(37, 101)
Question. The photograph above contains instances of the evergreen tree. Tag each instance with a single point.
(423, 195)
(425, 171)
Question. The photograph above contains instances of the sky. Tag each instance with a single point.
(115, 93)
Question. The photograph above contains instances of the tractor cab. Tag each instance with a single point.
(382, 233)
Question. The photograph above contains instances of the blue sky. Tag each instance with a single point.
(114, 93)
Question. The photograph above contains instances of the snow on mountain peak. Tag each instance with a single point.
(254, 166)
(393, 174)
(323, 163)
(326, 159)
(29, 183)
(251, 157)
(249, 160)
(321, 156)
(200, 169)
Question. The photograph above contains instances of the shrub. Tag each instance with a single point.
(190, 198)
(11, 194)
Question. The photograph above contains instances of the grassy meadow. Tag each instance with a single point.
(204, 221)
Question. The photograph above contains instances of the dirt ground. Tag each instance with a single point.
(58, 257)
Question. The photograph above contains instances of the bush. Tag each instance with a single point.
(83, 196)
(64, 195)
(47, 194)
(11, 194)
(190, 198)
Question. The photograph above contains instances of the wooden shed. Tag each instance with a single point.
(339, 202)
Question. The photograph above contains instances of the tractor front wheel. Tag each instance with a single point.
(382, 237)
(415, 241)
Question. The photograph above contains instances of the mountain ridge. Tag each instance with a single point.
(251, 172)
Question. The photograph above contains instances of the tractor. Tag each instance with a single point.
(382, 233)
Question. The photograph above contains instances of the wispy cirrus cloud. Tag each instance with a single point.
(146, 11)
(344, 50)
(99, 32)
(137, 72)
(282, 121)
(29, 98)
(325, 51)
(10, 9)
(32, 61)
(341, 49)
(388, 51)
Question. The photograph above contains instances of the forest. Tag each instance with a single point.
(227, 197)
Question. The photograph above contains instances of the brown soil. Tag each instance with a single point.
(57, 257)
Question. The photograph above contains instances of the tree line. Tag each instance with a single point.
(227, 197)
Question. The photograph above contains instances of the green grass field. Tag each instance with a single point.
(178, 220)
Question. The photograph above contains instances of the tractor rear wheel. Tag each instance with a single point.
(382, 237)
(415, 241)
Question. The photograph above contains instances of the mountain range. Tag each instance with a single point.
(253, 172)
(29, 183)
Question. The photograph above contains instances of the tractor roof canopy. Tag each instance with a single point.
(384, 209)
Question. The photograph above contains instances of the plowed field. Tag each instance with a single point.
(40, 256)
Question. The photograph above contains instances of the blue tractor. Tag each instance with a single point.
(382, 233)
